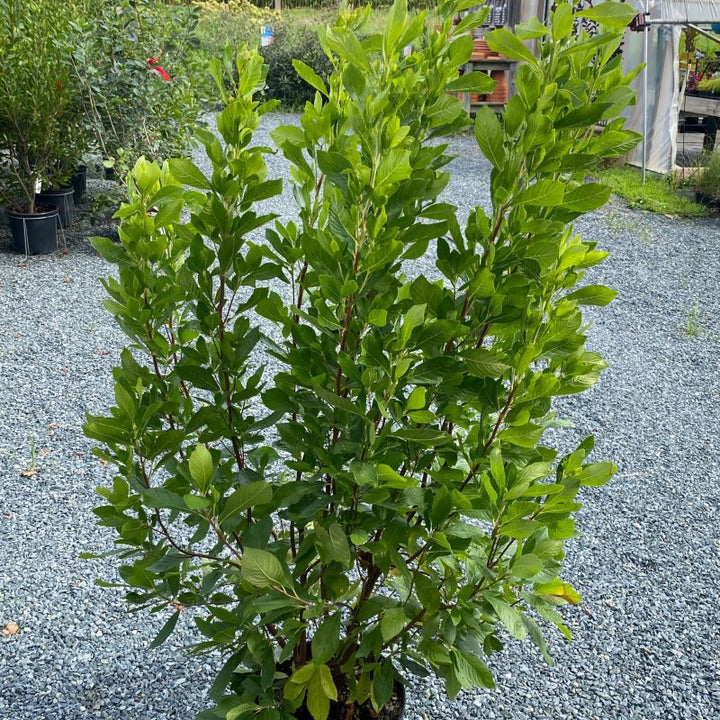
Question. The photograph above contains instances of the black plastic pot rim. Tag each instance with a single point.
(59, 191)
(29, 217)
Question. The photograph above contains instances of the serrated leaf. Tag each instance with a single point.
(543, 193)
(475, 82)
(392, 622)
(527, 566)
(509, 617)
(247, 496)
(261, 568)
(326, 639)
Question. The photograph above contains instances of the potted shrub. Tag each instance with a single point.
(35, 95)
(383, 503)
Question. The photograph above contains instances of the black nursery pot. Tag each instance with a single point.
(63, 199)
(34, 233)
(79, 183)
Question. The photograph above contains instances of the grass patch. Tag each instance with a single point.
(657, 194)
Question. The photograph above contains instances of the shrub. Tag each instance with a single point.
(294, 42)
(385, 502)
(39, 131)
(129, 107)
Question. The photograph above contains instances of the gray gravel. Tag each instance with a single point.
(646, 636)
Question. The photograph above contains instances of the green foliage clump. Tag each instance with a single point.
(708, 180)
(129, 108)
(385, 503)
(294, 42)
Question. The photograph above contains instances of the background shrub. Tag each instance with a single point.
(298, 42)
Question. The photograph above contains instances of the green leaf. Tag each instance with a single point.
(489, 136)
(505, 43)
(186, 172)
(392, 479)
(165, 631)
(474, 82)
(509, 617)
(392, 622)
(526, 436)
(597, 474)
(416, 399)
(414, 318)
(201, 467)
(162, 498)
(326, 639)
(592, 295)
(247, 496)
(527, 566)
(318, 697)
(562, 21)
(393, 168)
(545, 193)
(611, 14)
(484, 363)
(429, 437)
(587, 197)
(261, 568)
(310, 76)
(382, 684)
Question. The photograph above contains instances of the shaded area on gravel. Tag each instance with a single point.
(646, 636)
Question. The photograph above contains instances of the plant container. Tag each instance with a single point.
(34, 233)
(63, 200)
(79, 183)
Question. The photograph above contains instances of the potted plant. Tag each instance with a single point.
(383, 503)
(34, 99)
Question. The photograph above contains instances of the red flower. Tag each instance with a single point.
(153, 63)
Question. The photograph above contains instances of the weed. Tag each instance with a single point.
(692, 326)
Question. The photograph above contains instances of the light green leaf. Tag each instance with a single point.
(509, 617)
(587, 197)
(187, 173)
(309, 76)
(414, 318)
(489, 136)
(474, 82)
(545, 193)
(318, 700)
(392, 622)
(416, 399)
(505, 43)
(393, 168)
(592, 295)
(201, 467)
(527, 566)
(613, 15)
(261, 568)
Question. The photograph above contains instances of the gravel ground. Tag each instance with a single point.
(646, 636)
